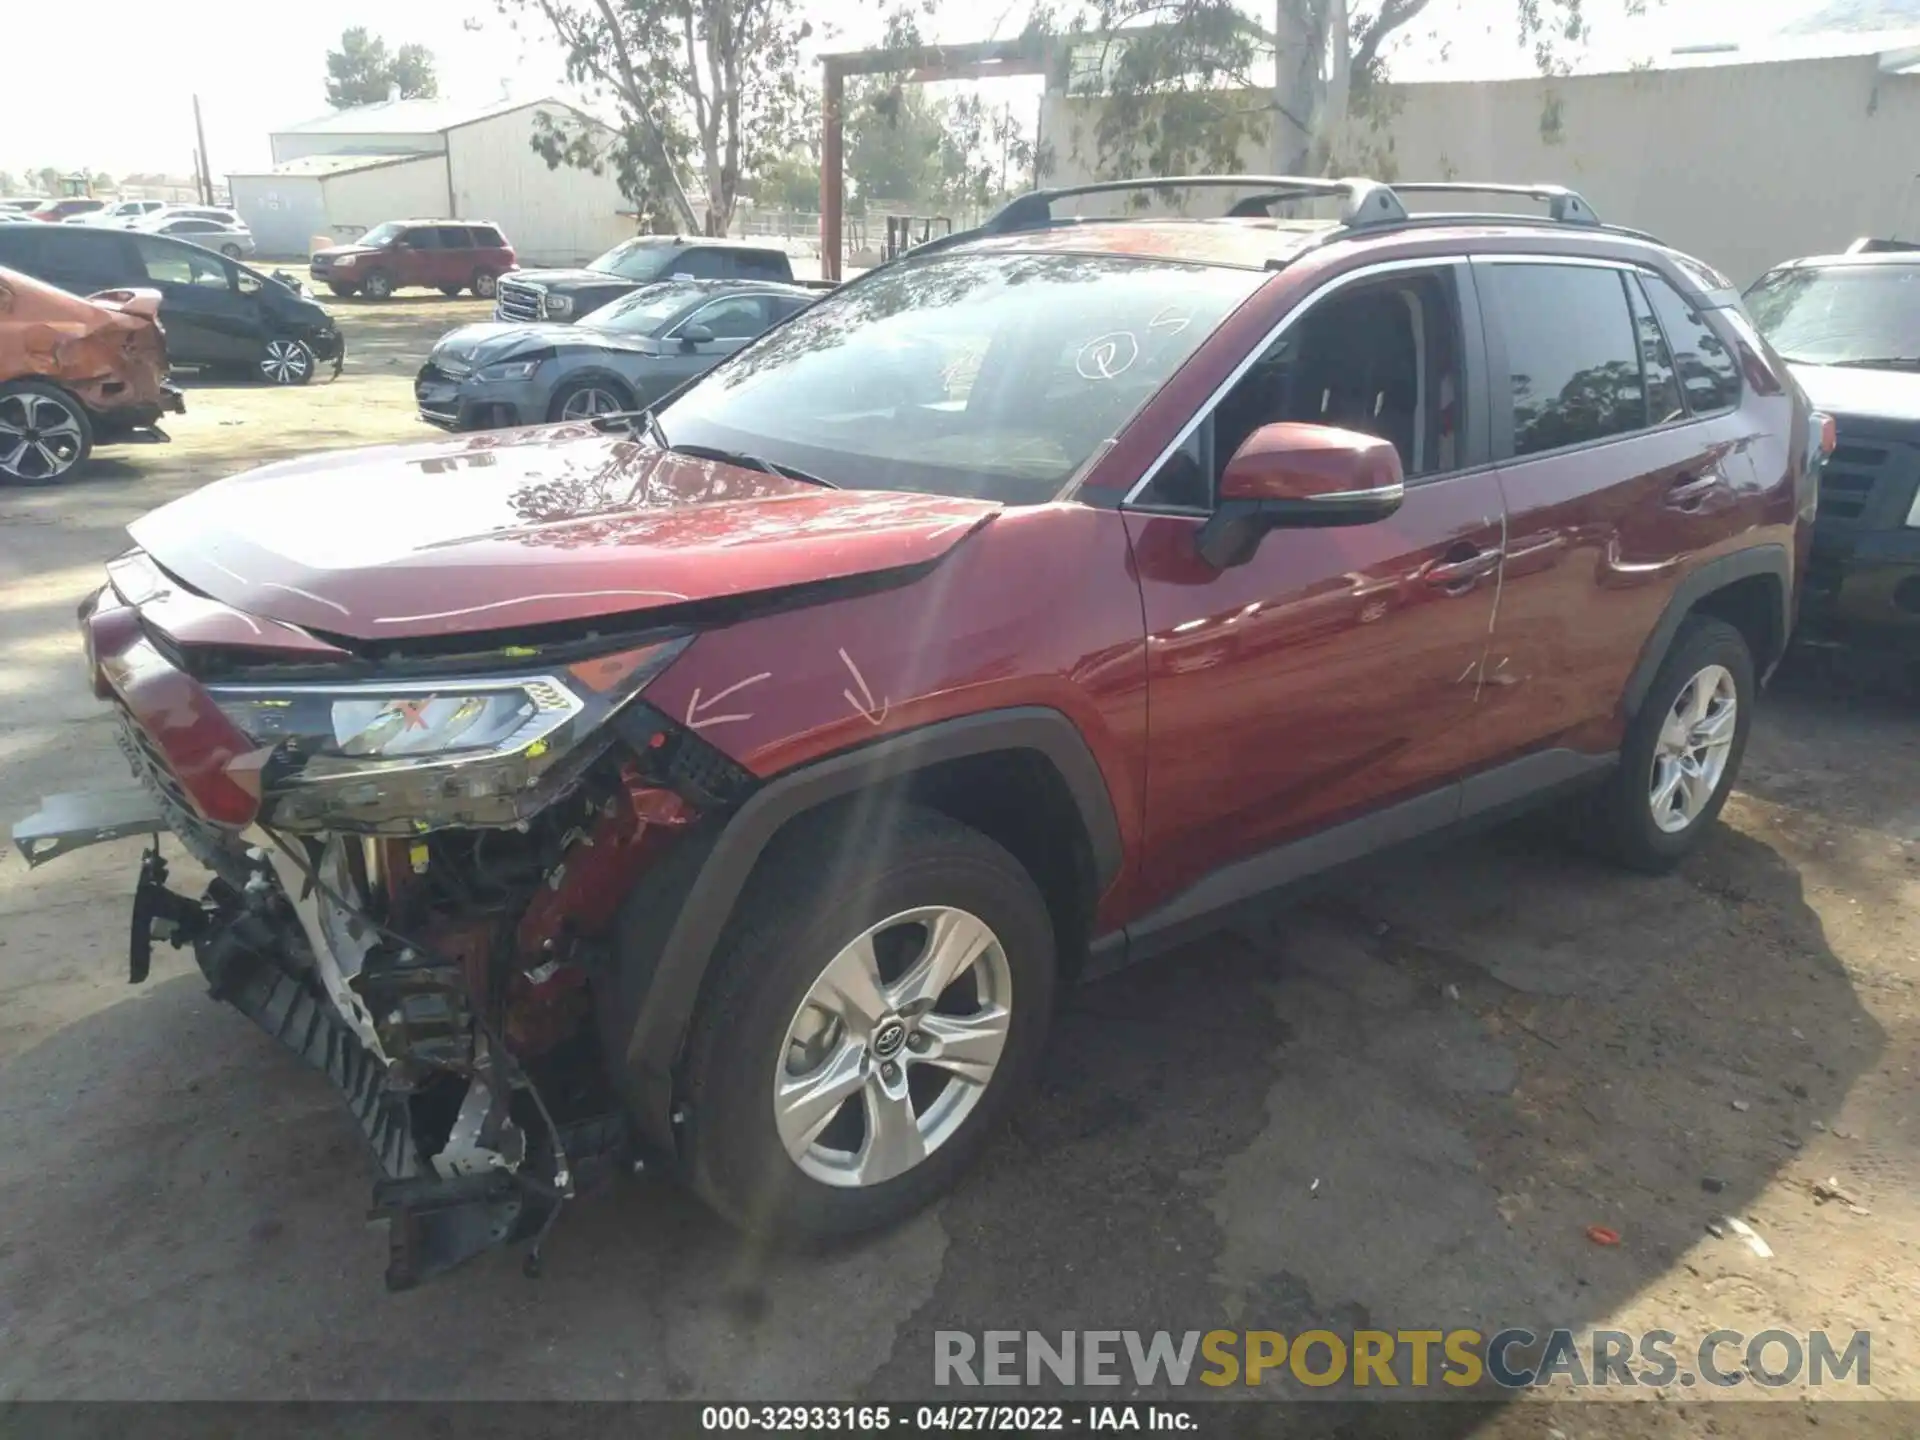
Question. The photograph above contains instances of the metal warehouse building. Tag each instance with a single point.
(431, 159)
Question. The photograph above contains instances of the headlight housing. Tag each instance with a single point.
(520, 369)
(341, 262)
(556, 307)
(411, 756)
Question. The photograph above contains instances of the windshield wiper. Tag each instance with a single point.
(1881, 362)
(740, 458)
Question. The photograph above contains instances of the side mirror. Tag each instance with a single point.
(1299, 476)
(694, 336)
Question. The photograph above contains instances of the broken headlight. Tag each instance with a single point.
(405, 757)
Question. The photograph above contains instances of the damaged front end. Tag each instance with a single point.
(416, 879)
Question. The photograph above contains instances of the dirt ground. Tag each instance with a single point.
(1398, 1104)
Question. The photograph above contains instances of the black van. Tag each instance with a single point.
(218, 313)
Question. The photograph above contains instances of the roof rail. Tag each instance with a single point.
(1364, 202)
(1563, 205)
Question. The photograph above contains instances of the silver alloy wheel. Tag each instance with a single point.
(589, 402)
(1690, 757)
(232, 252)
(378, 286)
(893, 1047)
(40, 436)
(286, 362)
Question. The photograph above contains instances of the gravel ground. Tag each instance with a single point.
(1400, 1103)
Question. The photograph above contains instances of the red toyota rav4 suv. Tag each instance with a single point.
(733, 787)
(444, 255)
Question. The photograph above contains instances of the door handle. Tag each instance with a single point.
(1688, 491)
(1462, 574)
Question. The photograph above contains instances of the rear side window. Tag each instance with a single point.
(1708, 370)
(422, 239)
(1573, 365)
(703, 262)
(453, 237)
(1664, 405)
(762, 265)
(485, 237)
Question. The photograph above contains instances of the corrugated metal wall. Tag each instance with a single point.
(361, 199)
(553, 217)
(283, 211)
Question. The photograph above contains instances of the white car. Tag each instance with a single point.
(120, 214)
(166, 214)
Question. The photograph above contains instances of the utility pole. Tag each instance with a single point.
(205, 176)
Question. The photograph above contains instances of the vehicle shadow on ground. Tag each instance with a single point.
(1396, 1105)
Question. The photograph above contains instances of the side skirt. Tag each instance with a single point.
(1481, 800)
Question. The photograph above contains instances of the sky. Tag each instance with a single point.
(262, 67)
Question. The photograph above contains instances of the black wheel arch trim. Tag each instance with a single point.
(1771, 560)
(680, 908)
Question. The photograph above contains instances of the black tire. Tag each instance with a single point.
(45, 433)
(449, 290)
(285, 361)
(1623, 817)
(485, 282)
(378, 285)
(343, 291)
(232, 252)
(823, 883)
(621, 395)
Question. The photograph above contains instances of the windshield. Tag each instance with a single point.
(1842, 314)
(645, 310)
(642, 258)
(997, 376)
(380, 234)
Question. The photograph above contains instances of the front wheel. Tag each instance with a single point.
(379, 285)
(232, 252)
(877, 1003)
(286, 362)
(1683, 749)
(585, 399)
(45, 433)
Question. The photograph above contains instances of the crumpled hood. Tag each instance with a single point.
(1863, 394)
(495, 340)
(509, 529)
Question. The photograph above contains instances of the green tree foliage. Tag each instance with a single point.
(362, 72)
(1176, 86)
(707, 85)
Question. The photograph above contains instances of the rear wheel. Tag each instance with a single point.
(1683, 750)
(286, 362)
(379, 285)
(875, 1007)
(45, 434)
(584, 399)
(483, 284)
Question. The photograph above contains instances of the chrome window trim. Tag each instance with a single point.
(1286, 322)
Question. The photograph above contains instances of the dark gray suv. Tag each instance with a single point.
(623, 356)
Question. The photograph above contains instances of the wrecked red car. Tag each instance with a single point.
(75, 373)
(729, 790)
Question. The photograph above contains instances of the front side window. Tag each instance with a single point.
(1707, 367)
(167, 264)
(738, 317)
(422, 239)
(642, 258)
(1573, 360)
(991, 375)
(1380, 357)
(703, 263)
